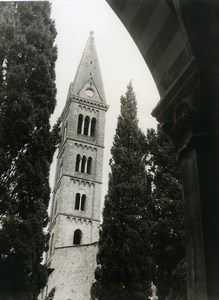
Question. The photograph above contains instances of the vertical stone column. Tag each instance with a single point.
(200, 165)
(193, 123)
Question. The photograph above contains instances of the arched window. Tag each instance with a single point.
(80, 201)
(83, 199)
(83, 164)
(77, 237)
(93, 126)
(77, 201)
(84, 159)
(80, 123)
(86, 125)
(89, 162)
(78, 158)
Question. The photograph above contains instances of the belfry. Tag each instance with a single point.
(75, 210)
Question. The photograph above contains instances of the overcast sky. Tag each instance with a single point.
(119, 58)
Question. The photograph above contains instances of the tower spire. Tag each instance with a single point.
(88, 80)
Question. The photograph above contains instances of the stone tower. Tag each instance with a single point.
(75, 212)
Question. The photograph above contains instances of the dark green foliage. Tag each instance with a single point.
(124, 263)
(27, 144)
(167, 227)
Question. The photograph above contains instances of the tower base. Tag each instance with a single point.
(72, 273)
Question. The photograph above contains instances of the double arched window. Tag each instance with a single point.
(86, 125)
(77, 237)
(80, 200)
(83, 164)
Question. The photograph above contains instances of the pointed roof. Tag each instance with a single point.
(88, 80)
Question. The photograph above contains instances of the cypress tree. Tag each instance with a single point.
(124, 265)
(167, 221)
(27, 143)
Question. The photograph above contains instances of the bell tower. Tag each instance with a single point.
(75, 213)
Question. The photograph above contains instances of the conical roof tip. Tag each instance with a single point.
(88, 75)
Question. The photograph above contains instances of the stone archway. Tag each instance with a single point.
(179, 41)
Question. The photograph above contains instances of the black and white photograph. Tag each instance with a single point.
(109, 150)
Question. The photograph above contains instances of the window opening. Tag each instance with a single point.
(77, 237)
(83, 164)
(77, 201)
(80, 200)
(89, 162)
(89, 92)
(78, 158)
(80, 123)
(83, 199)
(86, 125)
(93, 125)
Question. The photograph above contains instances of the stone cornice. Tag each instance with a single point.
(85, 101)
(51, 225)
(61, 148)
(78, 246)
(90, 181)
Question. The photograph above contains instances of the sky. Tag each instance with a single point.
(119, 58)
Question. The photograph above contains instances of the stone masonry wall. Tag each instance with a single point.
(66, 226)
(73, 273)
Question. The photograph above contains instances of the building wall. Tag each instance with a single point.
(67, 225)
(68, 219)
(71, 117)
(73, 273)
(82, 141)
